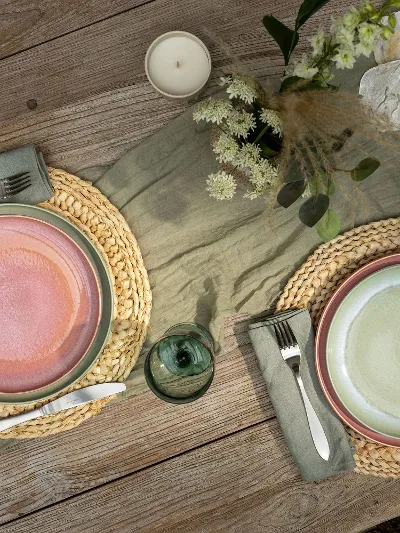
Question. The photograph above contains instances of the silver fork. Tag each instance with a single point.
(292, 356)
(14, 184)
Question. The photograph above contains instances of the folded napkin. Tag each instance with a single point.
(286, 398)
(26, 159)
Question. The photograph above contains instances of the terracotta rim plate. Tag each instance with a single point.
(95, 303)
(322, 340)
(50, 304)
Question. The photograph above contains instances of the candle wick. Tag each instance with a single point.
(177, 64)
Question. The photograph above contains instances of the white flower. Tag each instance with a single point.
(221, 186)
(368, 33)
(226, 148)
(363, 49)
(262, 174)
(307, 192)
(317, 42)
(351, 18)
(225, 80)
(240, 123)
(210, 110)
(243, 88)
(270, 117)
(344, 58)
(345, 37)
(248, 155)
(252, 195)
(303, 70)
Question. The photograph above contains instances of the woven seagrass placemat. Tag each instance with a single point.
(313, 284)
(85, 206)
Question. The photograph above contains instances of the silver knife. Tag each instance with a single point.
(73, 399)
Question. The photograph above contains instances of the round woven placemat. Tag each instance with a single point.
(85, 206)
(313, 284)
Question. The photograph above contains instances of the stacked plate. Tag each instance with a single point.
(358, 351)
(56, 304)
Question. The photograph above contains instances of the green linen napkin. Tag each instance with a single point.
(27, 159)
(286, 398)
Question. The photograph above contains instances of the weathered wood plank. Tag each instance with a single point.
(110, 54)
(28, 23)
(97, 129)
(245, 483)
(134, 434)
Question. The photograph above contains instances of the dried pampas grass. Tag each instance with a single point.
(317, 124)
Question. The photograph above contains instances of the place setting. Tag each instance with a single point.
(77, 297)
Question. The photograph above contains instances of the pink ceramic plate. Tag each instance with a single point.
(50, 304)
(320, 349)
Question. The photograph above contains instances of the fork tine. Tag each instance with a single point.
(16, 177)
(17, 190)
(278, 336)
(16, 184)
(289, 333)
(284, 335)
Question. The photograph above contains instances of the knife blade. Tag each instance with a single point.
(72, 399)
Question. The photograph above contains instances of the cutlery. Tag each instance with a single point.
(291, 354)
(14, 184)
(73, 399)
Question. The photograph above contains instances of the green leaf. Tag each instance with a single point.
(283, 36)
(307, 9)
(329, 226)
(365, 168)
(293, 83)
(392, 20)
(314, 209)
(266, 151)
(291, 192)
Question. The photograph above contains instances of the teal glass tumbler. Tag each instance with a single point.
(179, 368)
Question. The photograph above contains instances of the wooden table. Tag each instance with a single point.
(73, 84)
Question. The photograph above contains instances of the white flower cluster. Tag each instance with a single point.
(212, 110)
(271, 117)
(247, 157)
(221, 185)
(353, 34)
(240, 123)
(241, 87)
(236, 120)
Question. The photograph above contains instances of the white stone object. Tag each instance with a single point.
(178, 64)
(380, 88)
(389, 49)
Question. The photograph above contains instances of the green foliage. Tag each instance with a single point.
(313, 209)
(291, 192)
(328, 226)
(286, 38)
(364, 169)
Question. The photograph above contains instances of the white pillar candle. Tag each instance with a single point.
(178, 64)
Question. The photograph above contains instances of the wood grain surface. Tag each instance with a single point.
(93, 99)
(25, 24)
(246, 483)
(134, 434)
(72, 82)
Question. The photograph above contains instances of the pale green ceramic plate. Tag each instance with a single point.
(106, 289)
(363, 351)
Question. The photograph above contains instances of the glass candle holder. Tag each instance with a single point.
(180, 367)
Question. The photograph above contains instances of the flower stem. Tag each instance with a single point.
(264, 130)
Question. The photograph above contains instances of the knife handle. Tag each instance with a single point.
(317, 431)
(9, 422)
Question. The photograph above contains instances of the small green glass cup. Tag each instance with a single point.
(179, 368)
